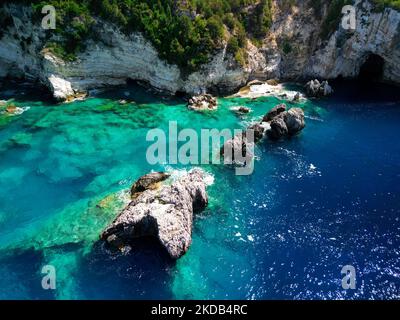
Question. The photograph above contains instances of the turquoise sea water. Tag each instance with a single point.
(324, 199)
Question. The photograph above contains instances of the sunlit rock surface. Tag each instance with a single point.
(165, 213)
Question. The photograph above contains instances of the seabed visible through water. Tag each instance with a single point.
(324, 199)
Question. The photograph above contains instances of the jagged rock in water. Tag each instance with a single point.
(296, 97)
(148, 181)
(243, 110)
(278, 129)
(259, 131)
(240, 110)
(165, 213)
(276, 124)
(274, 112)
(317, 89)
(294, 119)
(203, 102)
(237, 150)
(287, 123)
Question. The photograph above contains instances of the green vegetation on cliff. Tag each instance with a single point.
(381, 4)
(334, 13)
(333, 16)
(185, 32)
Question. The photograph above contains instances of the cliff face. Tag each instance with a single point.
(293, 49)
(345, 53)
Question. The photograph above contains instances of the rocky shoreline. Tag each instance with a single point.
(116, 57)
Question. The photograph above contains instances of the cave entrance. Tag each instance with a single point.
(372, 68)
(180, 94)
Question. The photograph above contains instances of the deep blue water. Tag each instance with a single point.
(324, 199)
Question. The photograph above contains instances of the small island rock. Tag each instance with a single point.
(165, 213)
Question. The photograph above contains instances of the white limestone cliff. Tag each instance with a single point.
(115, 57)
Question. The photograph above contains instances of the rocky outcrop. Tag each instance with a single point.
(274, 112)
(278, 129)
(148, 181)
(241, 110)
(165, 212)
(317, 89)
(10, 109)
(276, 124)
(287, 123)
(238, 150)
(295, 120)
(203, 102)
(61, 88)
(296, 97)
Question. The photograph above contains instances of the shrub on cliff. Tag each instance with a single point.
(380, 5)
(185, 32)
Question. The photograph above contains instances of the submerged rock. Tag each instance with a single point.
(12, 110)
(203, 102)
(165, 213)
(317, 89)
(241, 110)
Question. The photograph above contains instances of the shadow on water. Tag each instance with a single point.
(131, 92)
(348, 92)
(135, 275)
(134, 92)
(24, 92)
(98, 272)
(21, 268)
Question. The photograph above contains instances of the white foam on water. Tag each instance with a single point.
(179, 173)
(300, 167)
(314, 118)
(265, 90)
